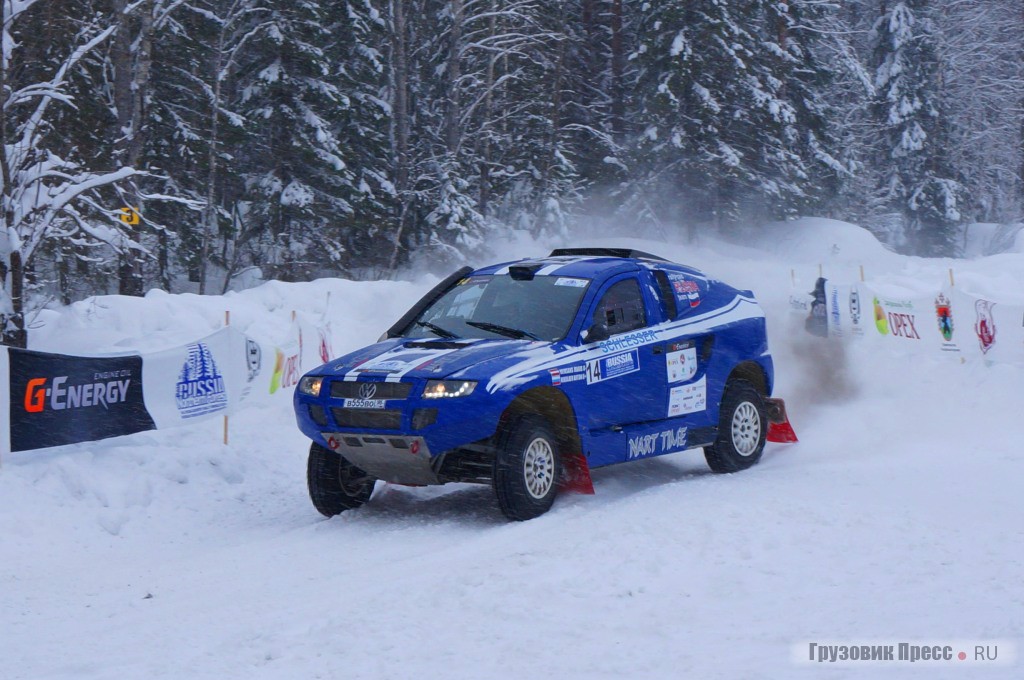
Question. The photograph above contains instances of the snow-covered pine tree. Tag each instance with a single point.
(731, 125)
(982, 55)
(300, 180)
(363, 126)
(921, 181)
(693, 57)
(47, 192)
(799, 146)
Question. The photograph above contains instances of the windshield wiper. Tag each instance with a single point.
(437, 330)
(503, 330)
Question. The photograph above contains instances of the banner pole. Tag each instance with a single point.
(952, 284)
(862, 273)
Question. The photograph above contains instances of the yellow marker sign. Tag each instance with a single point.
(130, 216)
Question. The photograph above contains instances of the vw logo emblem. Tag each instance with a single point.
(367, 390)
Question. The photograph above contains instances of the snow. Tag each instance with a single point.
(896, 518)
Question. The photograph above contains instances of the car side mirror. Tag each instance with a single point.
(596, 333)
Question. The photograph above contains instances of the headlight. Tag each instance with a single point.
(311, 386)
(448, 388)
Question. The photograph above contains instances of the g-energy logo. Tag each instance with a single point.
(106, 389)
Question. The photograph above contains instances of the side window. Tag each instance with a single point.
(668, 299)
(621, 308)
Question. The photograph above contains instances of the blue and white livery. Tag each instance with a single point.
(525, 375)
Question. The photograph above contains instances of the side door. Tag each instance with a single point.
(683, 351)
(622, 382)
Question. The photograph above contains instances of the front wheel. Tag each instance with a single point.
(526, 469)
(742, 427)
(335, 485)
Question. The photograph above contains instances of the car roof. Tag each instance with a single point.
(584, 265)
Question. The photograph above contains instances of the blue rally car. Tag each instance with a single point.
(525, 375)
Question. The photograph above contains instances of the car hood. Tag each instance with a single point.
(429, 359)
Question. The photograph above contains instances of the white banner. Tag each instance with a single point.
(206, 378)
(950, 322)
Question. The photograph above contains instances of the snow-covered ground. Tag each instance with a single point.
(898, 517)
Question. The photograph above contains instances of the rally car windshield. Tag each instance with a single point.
(541, 308)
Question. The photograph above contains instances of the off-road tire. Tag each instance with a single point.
(335, 485)
(526, 468)
(742, 426)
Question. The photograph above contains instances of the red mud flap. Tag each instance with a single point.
(779, 429)
(577, 475)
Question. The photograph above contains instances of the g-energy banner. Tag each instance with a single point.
(57, 399)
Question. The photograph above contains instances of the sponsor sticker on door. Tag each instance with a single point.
(612, 366)
(690, 398)
(681, 364)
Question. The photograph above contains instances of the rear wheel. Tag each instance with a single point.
(742, 427)
(335, 485)
(526, 469)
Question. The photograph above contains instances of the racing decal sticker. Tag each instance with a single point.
(200, 388)
(533, 361)
(686, 290)
(688, 398)
(606, 368)
(628, 340)
(681, 362)
(985, 326)
(571, 282)
(397, 362)
(657, 443)
(567, 374)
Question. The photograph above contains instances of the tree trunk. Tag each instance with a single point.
(618, 86)
(14, 332)
(400, 122)
(210, 210)
(12, 325)
(451, 119)
(64, 273)
(485, 143)
(131, 57)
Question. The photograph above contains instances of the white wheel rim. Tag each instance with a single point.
(746, 429)
(539, 468)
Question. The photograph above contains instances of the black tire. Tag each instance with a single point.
(335, 485)
(526, 469)
(742, 426)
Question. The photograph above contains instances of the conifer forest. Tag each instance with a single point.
(191, 145)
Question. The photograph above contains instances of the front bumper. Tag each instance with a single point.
(396, 459)
(384, 437)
